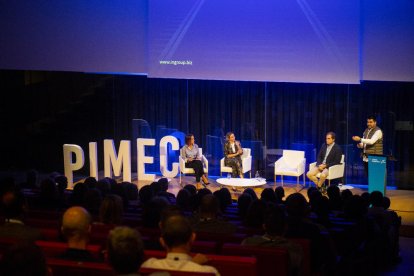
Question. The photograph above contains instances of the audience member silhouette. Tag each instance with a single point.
(243, 204)
(274, 227)
(125, 250)
(177, 238)
(300, 226)
(76, 227)
(255, 214)
(13, 205)
(207, 218)
(152, 211)
(23, 259)
(268, 195)
(111, 210)
(280, 194)
(251, 192)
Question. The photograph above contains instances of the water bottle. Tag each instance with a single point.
(257, 175)
(228, 176)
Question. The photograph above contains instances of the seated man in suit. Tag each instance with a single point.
(329, 155)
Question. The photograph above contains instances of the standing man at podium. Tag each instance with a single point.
(371, 141)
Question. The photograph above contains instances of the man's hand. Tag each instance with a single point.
(322, 167)
(356, 138)
(190, 159)
(200, 259)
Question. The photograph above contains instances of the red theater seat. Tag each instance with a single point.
(54, 249)
(270, 261)
(73, 268)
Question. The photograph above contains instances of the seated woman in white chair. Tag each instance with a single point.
(232, 155)
(192, 157)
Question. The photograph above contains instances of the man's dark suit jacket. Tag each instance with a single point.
(334, 156)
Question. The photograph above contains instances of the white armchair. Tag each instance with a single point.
(335, 171)
(246, 163)
(184, 170)
(292, 163)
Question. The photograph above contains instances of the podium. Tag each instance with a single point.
(377, 173)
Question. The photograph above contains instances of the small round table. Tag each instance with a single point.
(241, 182)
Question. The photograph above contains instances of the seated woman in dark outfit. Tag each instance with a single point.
(232, 155)
(192, 157)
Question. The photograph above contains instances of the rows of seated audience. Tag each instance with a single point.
(123, 230)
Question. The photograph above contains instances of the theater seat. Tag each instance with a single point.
(54, 249)
(270, 260)
(72, 268)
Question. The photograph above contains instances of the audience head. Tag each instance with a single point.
(145, 194)
(268, 195)
(314, 196)
(366, 198)
(14, 204)
(92, 201)
(176, 232)
(280, 194)
(376, 199)
(274, 220)
(209, 206)
(224, 197)
(321, 207)
(23, 259)
(296, 205)
(125, 250)
(355, 207)
(167, 212)
(334, 192)
(7, 183)
(251, 192)
(243, 204)
(346, 194)
(91, 182)
(131, 190)
(191, 188)
(104, 186)
(386, 202)
(48, 190)
(156, 187)
(76, 224)
(78, 194)
(163, 182)
(183, 199)
(335, 199)
(310, 191)
(111, 210)
(255, 213)
(152, 211)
